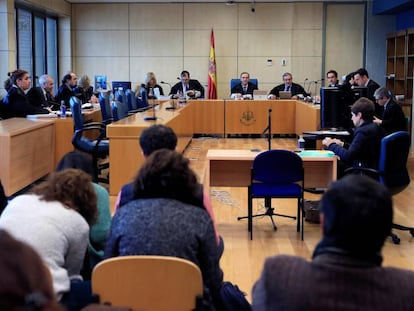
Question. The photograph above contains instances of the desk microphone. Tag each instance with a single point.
(304, 83)
(163, 82)
(153, 117)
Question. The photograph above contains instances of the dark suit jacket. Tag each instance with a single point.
(295, 89)
(17, 104)
(193, 85)
(239, 89)
(365, 146)
(64, 93)
(393, 118)
(37, 98)
(372, 86)
(331, 282)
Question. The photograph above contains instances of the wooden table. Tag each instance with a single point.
(231, 168)
(26, 151)
(125, 156)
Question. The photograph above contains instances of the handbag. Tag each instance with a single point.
(233, 299)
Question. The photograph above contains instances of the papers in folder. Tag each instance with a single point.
(41, 116)
(316, 153)
(327, 133)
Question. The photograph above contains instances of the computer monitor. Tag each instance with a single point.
(124, 85)
(358, 92)
(336, 108)
(100, 82)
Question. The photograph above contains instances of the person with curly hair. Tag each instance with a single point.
(54, 219)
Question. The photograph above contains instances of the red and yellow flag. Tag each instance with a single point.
(212, 79)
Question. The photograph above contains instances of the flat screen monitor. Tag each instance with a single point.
(336, 108)
(358, 92)
(100, 82)
(123, 85)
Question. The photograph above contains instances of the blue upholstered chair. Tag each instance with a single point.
(275, 174)
(234, 82)
(105, 104)
(131, 100)
(119, 110)
(97, 147)
(392, 169)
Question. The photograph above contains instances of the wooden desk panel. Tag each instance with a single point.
(26, 152)
(208, 116)
(125, 156)
(231, 168)
(251, 116)
(307, 116)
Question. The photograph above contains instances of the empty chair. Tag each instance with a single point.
(148, 283)
(98, 147)
(275, 174)
(131, 100)
(105, 104)
(119, 110)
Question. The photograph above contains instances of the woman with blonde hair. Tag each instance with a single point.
(150, 82)
(84, 90)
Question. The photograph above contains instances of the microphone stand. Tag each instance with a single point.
(269, 130)
(153, 117)
(172, 106)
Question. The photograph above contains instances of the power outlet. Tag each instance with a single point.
(283, 62)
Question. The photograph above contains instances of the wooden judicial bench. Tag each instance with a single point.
(31, 148)
(219, 117)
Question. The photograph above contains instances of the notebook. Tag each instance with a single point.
(285, 95)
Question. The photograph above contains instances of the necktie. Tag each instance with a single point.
(244, 89)
(287, 89)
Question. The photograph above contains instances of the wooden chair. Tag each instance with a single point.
(148, 282)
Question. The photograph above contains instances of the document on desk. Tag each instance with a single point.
(327, 133)
(316, 153)
(41, 116)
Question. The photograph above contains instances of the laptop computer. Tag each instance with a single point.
(285, 95)
(259, 94)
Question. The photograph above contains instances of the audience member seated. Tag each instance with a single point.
(157, 137)
(345, 272)
(393, 118)
(150, 82)
(25, 282)
(168, 219)
(16, 102)
(54, 219)
(84, 91)
(187, 87)
(365, 147)
(43, 95)
(99, 231)
(245, 87)
(66, 90)
(287, 86)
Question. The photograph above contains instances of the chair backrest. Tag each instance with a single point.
(393, 161)
(131, 100)
(277, 166)
(121, 96)
(76, 109)
(234, 82)
(119, 110)
(148, 282)
(105, 105)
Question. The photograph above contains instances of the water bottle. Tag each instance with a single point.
(62, 110)
(301, 143)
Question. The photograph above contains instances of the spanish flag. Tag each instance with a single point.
(212, 79)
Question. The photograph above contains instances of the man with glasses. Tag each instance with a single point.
(287, 86)
(393, 119)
